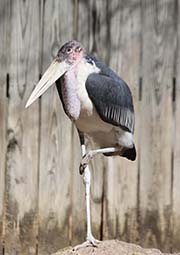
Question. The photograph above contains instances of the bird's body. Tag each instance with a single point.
(98, 102)
(81, 110)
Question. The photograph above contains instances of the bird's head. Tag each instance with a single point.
(68, 56)
(71, 52)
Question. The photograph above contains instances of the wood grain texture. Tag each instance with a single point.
(55, 138)
(156, 123)
(22, 145)
(4, 29)
(176, 139)
(77, 219)
(121, 174)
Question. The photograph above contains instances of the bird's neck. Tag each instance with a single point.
(69, 95)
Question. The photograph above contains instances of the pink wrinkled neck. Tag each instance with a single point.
(69, 93)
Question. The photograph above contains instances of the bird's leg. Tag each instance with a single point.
(90, 155)
(87, 182)
(90, 240)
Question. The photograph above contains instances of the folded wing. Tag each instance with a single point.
(112, 99)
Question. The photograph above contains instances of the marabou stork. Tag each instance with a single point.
(98, 102)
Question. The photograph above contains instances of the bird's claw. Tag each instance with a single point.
(90, 242)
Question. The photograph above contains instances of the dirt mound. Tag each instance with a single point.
(112, 247)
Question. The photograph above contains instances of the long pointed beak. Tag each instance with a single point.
(54, 72)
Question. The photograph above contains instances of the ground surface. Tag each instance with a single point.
(111, 247)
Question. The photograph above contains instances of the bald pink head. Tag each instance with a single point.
(71, 51)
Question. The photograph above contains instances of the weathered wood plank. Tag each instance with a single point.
(3, 108)
(22, 147)
(55, 143)
(156, 123)
(122, 175)
(77, 218)
(176, 139)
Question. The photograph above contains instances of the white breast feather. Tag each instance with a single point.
(83, 70)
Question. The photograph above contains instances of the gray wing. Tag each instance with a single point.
(112, 99)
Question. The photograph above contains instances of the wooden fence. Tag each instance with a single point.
(41, 192)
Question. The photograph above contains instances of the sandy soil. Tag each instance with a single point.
(111, 247)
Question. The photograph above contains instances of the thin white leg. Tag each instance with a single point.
(90, 240)
(103, 150)
(83, 150)
(87, 183)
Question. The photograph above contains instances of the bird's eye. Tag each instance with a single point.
(69, 50)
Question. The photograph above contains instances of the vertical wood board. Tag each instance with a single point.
(4, 26)
(156, 126)
(56, 139)
(22, 148)
(122, 175)
(176, 140)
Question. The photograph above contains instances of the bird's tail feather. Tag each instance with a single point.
(130, 153)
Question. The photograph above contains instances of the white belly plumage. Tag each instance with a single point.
(103, 133)
(89, 121)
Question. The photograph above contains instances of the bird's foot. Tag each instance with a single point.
(90, 242)
(85, 161)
